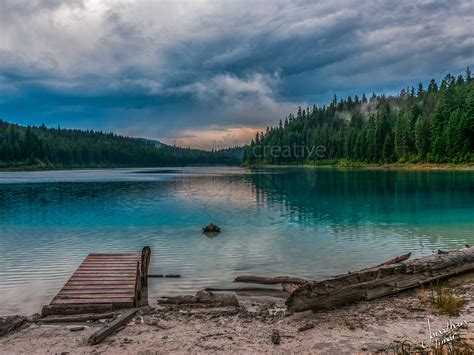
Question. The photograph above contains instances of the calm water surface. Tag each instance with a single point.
(307, 222)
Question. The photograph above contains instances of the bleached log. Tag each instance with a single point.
(288, 282)
(372, 283)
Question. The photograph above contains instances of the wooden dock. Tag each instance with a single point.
(104, 281)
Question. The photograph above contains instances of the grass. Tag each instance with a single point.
(443, 299)
(458, 347)
(447, 302)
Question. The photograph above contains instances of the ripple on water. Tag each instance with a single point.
(305, 222)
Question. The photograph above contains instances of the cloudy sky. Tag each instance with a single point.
(206, 73)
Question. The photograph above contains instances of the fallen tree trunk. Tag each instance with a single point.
(290, 288)
(272, 280)
(289, 282)
(372, 283)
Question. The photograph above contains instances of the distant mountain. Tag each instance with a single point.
(156, 143)
(42, 147)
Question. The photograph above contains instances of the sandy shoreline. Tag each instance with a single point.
(366, 327)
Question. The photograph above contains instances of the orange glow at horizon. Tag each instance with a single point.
(214, 139)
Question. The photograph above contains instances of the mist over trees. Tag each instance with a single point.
(67, 148)
(432, 124)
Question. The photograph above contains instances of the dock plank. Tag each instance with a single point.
(117, 302)
(77, 296)
(98, 291)
(103, 278)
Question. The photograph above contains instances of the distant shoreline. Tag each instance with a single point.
(344, 165)
(391, 166)
(59, 168)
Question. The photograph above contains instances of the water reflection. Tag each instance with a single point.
(369, 196)
(308, 222)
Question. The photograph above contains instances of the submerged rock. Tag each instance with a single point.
(211, 228)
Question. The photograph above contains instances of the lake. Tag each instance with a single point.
(298, 221)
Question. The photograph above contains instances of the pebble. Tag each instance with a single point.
(276, 337)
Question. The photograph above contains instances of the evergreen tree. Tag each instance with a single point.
(433, 125)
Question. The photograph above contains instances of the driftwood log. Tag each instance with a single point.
(238, 289)
(290, 283)
(10, 323)
(290, 288)
(372, 283)
(272, 280)
(203, 298)
(112, 327)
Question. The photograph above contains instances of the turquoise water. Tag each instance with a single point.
(306, 222)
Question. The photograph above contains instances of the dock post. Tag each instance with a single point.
(145, 263)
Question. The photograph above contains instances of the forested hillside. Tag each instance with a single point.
(66, 148)
(433, 124)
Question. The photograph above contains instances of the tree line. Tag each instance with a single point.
(432, 124)
(70, 148)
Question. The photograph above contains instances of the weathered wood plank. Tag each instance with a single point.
(112, 260)
(128, 292)
(78, 296)
(76, 317)
(144, 265)
(76, 309)
(105, 267)
(96, 287)
(112, 327)
(101, 273)
(113, 255)
(92, 283)
(104, 278)
(117, 302)
(97, 290)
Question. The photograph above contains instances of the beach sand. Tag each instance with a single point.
(367, 327)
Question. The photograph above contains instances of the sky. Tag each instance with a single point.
(211, 73)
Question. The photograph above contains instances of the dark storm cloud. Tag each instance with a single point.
(166, 67)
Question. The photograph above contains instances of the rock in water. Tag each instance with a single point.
(211, 228)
